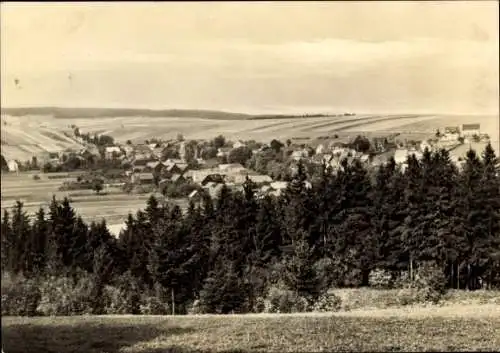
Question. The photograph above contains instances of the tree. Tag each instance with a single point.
(4, 165)
(219, 141)
(239, 155)
(97, 185)
(300, 275)
(361, 144)
(276, 145)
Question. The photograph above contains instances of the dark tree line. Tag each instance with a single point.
(227, 252)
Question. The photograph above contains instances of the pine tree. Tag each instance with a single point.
(39, 236)
(21, 258)
(7, 243)
(300, 274)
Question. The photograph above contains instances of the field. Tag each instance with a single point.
(448, 328)
(139, 128)
(112, 206)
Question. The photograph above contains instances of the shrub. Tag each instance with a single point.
(20, 296)
(327, 302)
(381, 279)
(64, 296)
(280, 300)
(429, 285)
(152, 305)
(36, 177)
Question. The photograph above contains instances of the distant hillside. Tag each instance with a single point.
(69, 113)
(73, 113)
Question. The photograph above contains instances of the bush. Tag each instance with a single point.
(381, 279)
(280, 300)
(429, 285)
(152, 305)
(36, 177)
(20, 296)
(64, 296)
(327, 302)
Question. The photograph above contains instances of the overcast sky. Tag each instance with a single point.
(302, 56)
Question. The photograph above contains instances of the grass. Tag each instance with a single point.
(245, 333)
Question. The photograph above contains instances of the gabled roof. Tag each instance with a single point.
(231, 166)
(471, 126)
(153, 164)
(176, 177)
(111, 149)
(145, 176)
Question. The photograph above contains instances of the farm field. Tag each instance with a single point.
(139, 128)
(113, 207)
(23, 137)
(448, 328)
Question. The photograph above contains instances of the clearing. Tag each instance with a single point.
(448, 328)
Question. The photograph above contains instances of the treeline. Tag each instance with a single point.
(225, 255)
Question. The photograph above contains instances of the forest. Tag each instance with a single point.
(238, 253)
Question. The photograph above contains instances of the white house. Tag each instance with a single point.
(13, 166)
(239, 144)
(320, 149)
(111, 151)
(423, 145)
(471, 130)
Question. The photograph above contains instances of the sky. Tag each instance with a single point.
(392, 57)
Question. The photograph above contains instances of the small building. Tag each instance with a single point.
(177, 179)
(155, 166)
(239, 144)
(129, 150)
(425, 144)
(142, 178)
(214, 178)
(471, 130)
(233, 167)
(452, 130)
(223, 152)
(13, 166)
(321, 149)
(260, 179)
(111, 152)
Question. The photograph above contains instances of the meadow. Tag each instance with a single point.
(112, 205)
(448, 328)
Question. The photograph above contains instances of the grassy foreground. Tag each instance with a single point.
(377, 330)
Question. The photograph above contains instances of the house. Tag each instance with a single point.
(239, 144)
(451, 133)
(426, 144)
(214, 178)
(298, 155)
(111, 152)
(232, 168)
(13, 166)
(142, 178)
(177, 178)
(155, 166)
(223, 151)
(259, 179)
(321, 149)
(129, 150)
(452, 130)
(470, 130)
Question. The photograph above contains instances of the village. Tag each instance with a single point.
(178, 169)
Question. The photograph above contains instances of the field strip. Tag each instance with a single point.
(386, 123)
(364, 123)
(340, 122)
